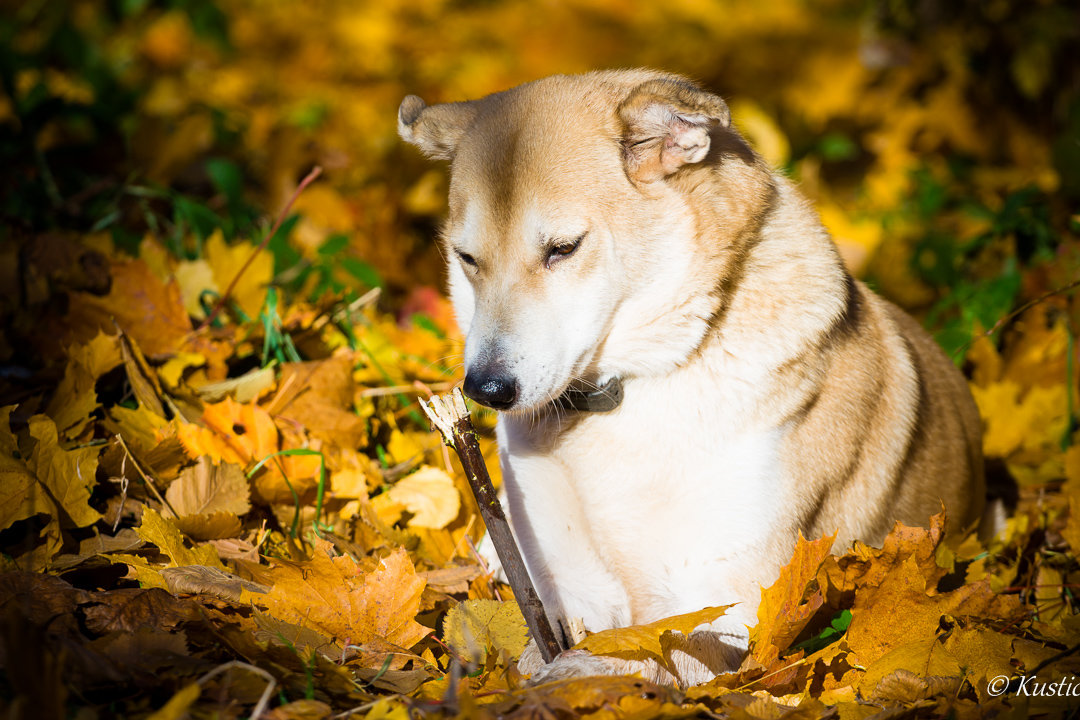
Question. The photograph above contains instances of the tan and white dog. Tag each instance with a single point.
(687, 374)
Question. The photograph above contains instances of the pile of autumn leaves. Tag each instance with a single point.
(166, 512)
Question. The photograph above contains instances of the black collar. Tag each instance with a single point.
(604, 399)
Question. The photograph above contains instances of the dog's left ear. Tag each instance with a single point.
(666, 125)
(435, 129)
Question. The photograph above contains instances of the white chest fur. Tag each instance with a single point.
(666, 505)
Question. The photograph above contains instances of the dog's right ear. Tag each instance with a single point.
(666, 125)
(437, 129)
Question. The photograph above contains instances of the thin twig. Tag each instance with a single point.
(146, 478)
(268, 693)
(310, 178)
(487, 571)
(449, 416)
(797, 663)
(1005, 319)
(398, 389)
(1030, 304)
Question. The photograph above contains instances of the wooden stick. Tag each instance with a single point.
(448, 415)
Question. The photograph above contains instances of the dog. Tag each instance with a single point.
(687, 375)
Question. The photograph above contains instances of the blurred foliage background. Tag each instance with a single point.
(940, 140)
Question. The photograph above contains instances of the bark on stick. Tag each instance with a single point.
(448, 415)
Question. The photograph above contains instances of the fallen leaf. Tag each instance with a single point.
(474, 626)
(144, 307)
(451, 580)
(1018, 419)
(144, 381)
(244, 389)
(159, 531)
(177, 706)
(140, 428)
(319, 396)
(20, 497)
(983, 653)
(915, 657)
(429, 494)
(226, 260)
(75, 397)
(865, 566)
(208, 499)
(67, 475)
(40, 598)
(194, 278)
(300, 710)
(787, 606)
(173, 369)
(640, 641)
(144, 649)
(203, 580)
(899, 609)
(332, 596)
(245, 434)
(904, 686)
(128, 609)
(303, 639)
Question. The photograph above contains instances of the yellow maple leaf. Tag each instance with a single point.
(429, 494)
(226, 261)
(209, 499)
(68, 475)
(889, 615)
(75, 397)
(149, 310)
(194, 278)
(1017, 420)
(473, 626)
(159, 531)
(51, 482)
(20, 497)
(638, 641)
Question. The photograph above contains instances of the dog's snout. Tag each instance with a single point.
(491, 386)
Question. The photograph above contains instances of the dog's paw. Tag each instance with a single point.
(579, 663)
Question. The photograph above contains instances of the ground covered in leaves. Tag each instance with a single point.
(217, 495)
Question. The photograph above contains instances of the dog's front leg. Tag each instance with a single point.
(556, 543)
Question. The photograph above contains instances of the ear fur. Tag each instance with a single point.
(435, 129)
(666, 125)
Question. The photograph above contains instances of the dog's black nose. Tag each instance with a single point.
(495, 389)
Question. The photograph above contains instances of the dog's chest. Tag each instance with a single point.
(672, 486)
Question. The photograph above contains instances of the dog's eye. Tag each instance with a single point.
(563, 250)
(467, 258)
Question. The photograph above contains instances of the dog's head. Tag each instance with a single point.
(578, 246)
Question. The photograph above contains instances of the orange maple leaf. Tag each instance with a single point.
(786, 607)
(336, 598)
(245, 434)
